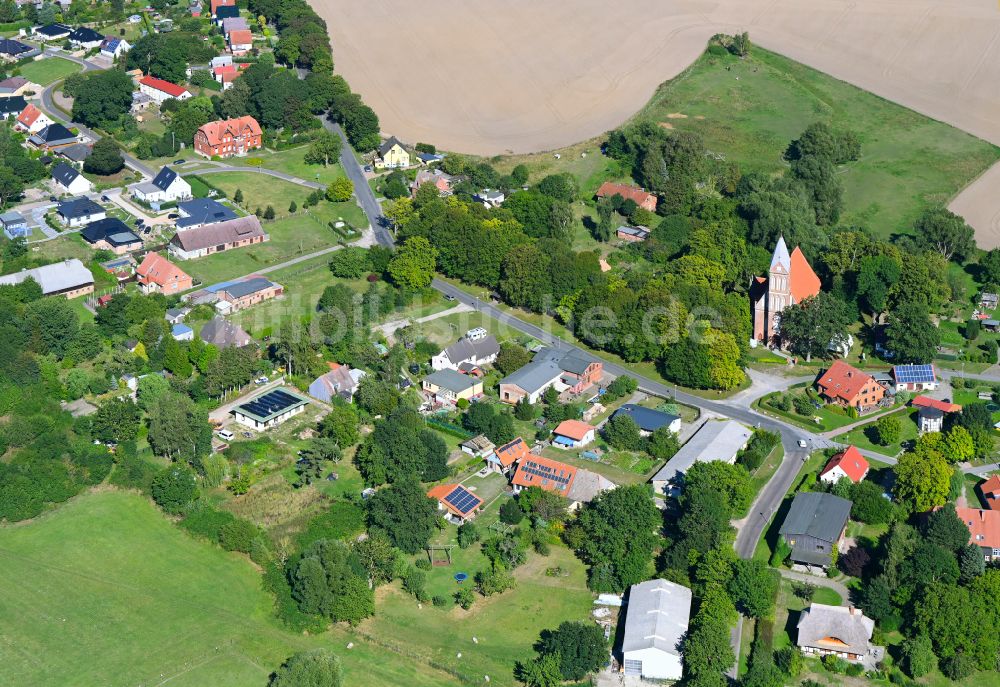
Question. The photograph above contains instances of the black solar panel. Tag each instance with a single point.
(462, 500)
(270, 403)
(546, 472)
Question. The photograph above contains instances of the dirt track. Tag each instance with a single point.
(520, 76)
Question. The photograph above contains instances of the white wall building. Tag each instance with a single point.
(656, 620)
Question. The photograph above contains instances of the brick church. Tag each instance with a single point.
(790, 280)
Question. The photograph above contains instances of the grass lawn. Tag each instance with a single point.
(749, 110)
(106, 591)
(864, 436)
(45, 71)
(787, 609)
(762, 475)
(260, 190)
(830, 416)
(291, 162)
(291, 237)
(504, 626)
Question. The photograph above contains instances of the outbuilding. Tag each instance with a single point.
(656, 621)
(270, 409)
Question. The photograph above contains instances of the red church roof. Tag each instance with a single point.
(804, 282)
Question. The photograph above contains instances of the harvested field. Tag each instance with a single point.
(502, 82)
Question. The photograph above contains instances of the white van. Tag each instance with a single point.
(226, 435)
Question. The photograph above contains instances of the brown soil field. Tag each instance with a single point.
(521, 76)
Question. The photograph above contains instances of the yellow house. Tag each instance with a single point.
(392, 154)
(448, 386)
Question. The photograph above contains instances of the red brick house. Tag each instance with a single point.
(228, 137)
(846, 385)
(990, 492)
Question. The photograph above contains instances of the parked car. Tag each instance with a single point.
(802, 443)
(139, 222)
(225, 434)
(105, 199)
(261, 380)
(173, 215)
(53, 199)
(449, 297)
(179, 162)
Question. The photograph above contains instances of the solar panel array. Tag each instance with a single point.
(270, 403)
(908, 374)
(545, 472)
(462, 500)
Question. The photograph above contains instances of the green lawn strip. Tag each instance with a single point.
(291, 161)
(762, 475)
(47, 70)
(121, 595)
(863, 436)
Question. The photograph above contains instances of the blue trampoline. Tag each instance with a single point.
(461, 577)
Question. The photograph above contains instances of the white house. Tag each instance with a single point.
(656, 620)
(270, 409)
(159, 90)
(69, 180)
(475, 352)
(848, 463)
(572, 434)
(32, 120)
(114, 47)
(166, 187)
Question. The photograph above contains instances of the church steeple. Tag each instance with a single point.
(781, 255)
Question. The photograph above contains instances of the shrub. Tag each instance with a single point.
(511, 513)
(415, 582)
(441, 601)
(803, 406)
(423, 564)
(888, 429)
(468, 534)
(464, 598)
(205, 521)
(781, 552)
(238, 535)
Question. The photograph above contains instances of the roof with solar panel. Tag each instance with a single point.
(456, 498)
(538, 471)
(268, 406)
(914, 374)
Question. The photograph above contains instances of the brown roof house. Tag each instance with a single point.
(842, 631)
(215, 238)
(341, 381)
(224, 334)
(848, 386)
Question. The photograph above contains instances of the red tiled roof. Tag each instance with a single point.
(511, 452)
(851, 462)
(609, 189)
(240, 37)
(28, 115)
(216, 4)
(545, 473)
(984, 526)
(804, 282)
(990, 490)
(170, 89)
(214, 131)
(157, 269)
(928, 402)
(843, 381)
(574, 429)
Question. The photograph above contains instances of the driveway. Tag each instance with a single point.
(222, 412)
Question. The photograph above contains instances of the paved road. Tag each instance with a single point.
(362, 191)
(50, 108)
